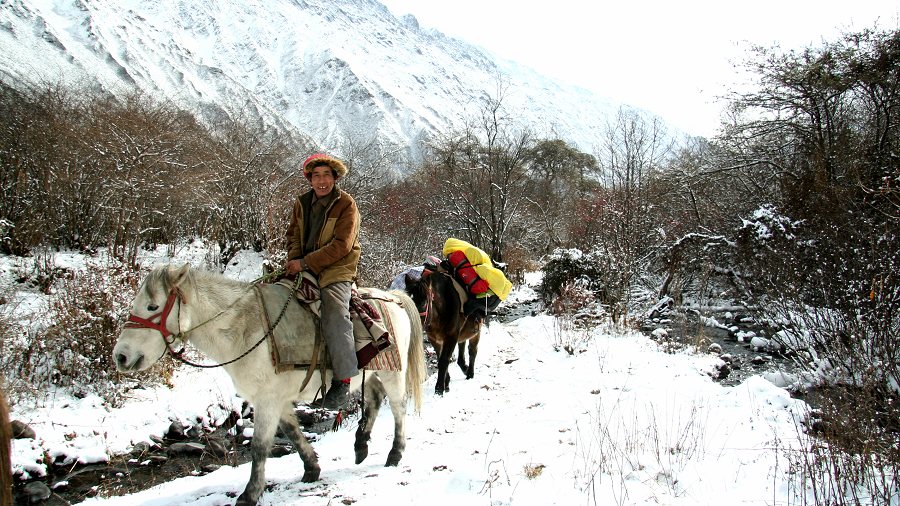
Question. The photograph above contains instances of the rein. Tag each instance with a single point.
(135, 321)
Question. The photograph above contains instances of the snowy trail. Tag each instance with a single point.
(541, 427)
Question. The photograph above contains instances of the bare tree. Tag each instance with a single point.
(480, 180)
(617, 215)
(561, 176)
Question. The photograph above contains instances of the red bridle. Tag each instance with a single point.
(136, 322)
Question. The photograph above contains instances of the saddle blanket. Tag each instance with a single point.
(293, 348)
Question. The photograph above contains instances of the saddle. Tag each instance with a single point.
(304, 348)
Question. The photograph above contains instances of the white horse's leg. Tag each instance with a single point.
(291, 429)
(397, 398)
(374, 394)
(266, 415)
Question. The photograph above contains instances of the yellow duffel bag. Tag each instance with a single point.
(482, 264)
(495, 279)
(475, 255)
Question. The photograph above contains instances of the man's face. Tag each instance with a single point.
(322, 180)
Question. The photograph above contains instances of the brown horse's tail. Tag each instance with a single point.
(5, 463)
(415, 364)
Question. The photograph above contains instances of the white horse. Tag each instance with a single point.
(223, 319)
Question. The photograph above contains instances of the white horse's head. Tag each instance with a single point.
(153, 323)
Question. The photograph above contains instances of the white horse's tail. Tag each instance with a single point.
(415, 364)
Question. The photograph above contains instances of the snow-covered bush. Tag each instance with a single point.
(86, 311)
(768, 250)
(595, 272)
(860, 465)
(11, 332)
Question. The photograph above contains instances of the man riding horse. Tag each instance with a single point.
(323, 238)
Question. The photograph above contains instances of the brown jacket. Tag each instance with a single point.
(336, 256)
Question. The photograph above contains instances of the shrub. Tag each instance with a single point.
(11, 332)
(763, 243)
(851, 451)
(86, 310)
(597, 272)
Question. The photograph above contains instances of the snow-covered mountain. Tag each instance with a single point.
(329, 68)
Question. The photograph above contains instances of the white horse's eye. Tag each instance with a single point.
(152, 307)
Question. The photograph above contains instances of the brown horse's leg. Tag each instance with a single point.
(473, 352)
(470, 332)
(443, 378)
(291, 429)
(461, 359)
(374, 397)
(5, 464)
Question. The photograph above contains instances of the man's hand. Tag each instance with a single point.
(293, 266)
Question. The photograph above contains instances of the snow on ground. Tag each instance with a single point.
(618, 422)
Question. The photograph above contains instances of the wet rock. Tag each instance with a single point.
(56, 500)
(76, 479)
(280, 451)
(21, 430)
(208, 468)
(176, 432)
(140, 448)
(36, 492)
(189, 448)
(722, 371)
(158, 460)
(231, 421)
(89, 475)
(156, 439)
(194, 432)
(715, 348)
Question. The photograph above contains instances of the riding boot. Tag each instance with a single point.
(337, 397)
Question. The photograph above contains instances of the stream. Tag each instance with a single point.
(732, 339)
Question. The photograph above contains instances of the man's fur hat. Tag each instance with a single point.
(340, 170)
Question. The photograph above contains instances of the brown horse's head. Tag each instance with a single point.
(416, 289)
(437, 301)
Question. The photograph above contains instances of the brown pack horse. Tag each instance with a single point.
(5, 464)
(445, 324)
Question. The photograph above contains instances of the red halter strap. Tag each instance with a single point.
(136, 322)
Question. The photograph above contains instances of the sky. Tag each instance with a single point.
(671, 57)
(619, 421)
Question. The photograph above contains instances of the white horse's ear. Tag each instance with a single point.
(177, 277)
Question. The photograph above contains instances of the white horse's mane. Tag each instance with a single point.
(165, 277)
